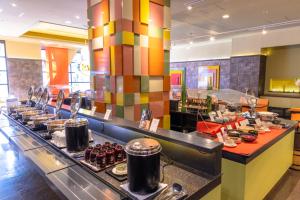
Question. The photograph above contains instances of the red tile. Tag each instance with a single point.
(102, 61)
(127, 60)
(124, 25)
(166, 107)
(112, 84)
(131, 84)
(157, 108)
(144, 61)
(119, 60)
(166, 83)
(156, 15)
(136, 10)
(155, 96)
(137, 112)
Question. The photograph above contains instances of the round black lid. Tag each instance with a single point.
(143, 147)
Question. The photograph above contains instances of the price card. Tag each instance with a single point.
(258, 121)
(220, 137)
(229, 127)
(107, 114)
(211, 116)
(93, 110)
(223, 130)
(154, 125)
(236, 125)
(219, 114)
(247, 122)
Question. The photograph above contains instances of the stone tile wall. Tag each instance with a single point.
(22, 73)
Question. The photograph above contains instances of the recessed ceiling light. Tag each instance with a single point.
(191, 42)
(77, 17)
(13, 5)
(226, 16)
(68, 22)
(264, 32)
(189, 7)
(212, 38)
(21, 14)
(1, 10)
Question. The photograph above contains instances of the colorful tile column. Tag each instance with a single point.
(129, 41)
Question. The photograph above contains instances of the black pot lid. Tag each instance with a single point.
(143, 147)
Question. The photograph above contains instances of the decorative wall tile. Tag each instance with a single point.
(127, 12)
(156, 84)
(144, 11)
(156, 15)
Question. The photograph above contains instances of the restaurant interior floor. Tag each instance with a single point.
(19, 179)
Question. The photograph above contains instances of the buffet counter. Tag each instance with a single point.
(251, 170)
(196, 162)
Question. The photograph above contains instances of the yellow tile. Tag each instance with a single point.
(120, 99)
(127, 38)
(167, 34)
(127, 10)
(111, 28)
(107, 97)
(90, 33)
(166, 122)
(112, 61)
(144, 11)
(144, 98)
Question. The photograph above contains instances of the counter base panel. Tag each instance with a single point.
(255, 179)
(215, 194)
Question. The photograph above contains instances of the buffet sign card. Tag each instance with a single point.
(220, 137)
(258, 122)
(154, 125)
(107, 114)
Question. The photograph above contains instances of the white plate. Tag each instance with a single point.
(230, 145)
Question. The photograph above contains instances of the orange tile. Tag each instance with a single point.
(106, 41)
(139, 28)
(137, 112)
(155, 96)
(166, 96)
(156, 57)
(144, 61)
(136, 10)
(112, 84)
(131, 84)
(166, 107)
(127, 60)
(105, 11)
(119, 60)
(166, 83)
(124, 25)
(102, 61)
(157, 108)
(98, 31)
(96, 15)
(113, 98)
(101, 108)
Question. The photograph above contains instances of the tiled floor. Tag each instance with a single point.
(19, 180)
(288, 188)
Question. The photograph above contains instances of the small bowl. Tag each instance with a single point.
(248, 137)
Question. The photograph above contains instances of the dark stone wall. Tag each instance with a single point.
(22, 73)
(236, 73)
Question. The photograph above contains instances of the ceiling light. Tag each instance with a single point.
(21, 14)
(226, 16)
(191, 42)
(264, 32)
(77, 17)
(189, 7)
(1, 10)
(212, 38)
(13, 5)
(68, 22)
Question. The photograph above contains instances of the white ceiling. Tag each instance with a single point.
(54, 11)
(204, 20)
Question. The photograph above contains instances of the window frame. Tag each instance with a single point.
(6, 70)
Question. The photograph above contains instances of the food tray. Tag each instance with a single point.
(120, 178)
(97, 169)
(64, 146)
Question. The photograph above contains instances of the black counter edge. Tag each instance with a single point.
(209, 148)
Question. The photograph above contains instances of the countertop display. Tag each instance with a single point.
(72, 177)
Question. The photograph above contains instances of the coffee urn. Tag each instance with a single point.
(143, 165)
(77, 134)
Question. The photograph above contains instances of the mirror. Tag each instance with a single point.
(75, 104)
(60, 100)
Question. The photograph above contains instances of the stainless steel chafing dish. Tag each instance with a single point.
(28, 114)
(41, 119)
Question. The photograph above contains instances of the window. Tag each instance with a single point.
(45, 69)
(3, 71)
(79, 71)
